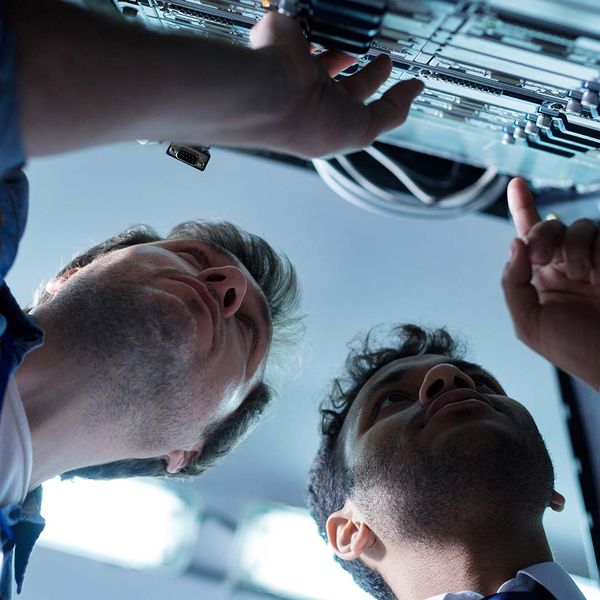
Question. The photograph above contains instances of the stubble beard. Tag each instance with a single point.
(138, 351)
(427, 497)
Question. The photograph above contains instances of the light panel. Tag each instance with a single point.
(128, 522)
(279, 550)
(588, 587)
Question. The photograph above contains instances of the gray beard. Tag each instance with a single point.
(497, 481)
(136, 350)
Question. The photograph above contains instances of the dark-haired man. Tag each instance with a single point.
(431, 481)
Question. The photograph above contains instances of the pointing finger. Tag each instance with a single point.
(522, 207)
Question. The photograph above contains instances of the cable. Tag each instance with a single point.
(395, 169)
(455, 199)
(364, 182)
(346, 180)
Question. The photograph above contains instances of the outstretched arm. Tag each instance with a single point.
(552, 287)
(87, 80)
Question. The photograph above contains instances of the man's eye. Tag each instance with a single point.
(197, 255)
(245, 322)
(485, 383)
(397, 399)
(250, 325)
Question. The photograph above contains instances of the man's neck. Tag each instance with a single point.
(481, 564)
(59, 398)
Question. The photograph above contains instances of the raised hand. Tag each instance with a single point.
(190, 89)
(323, 116)
(552, 287)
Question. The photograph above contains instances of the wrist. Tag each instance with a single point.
(266, 98)
(271, 85)
(220, 94)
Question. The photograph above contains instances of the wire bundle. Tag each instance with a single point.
(340, 174)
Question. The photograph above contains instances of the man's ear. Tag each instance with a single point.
(55, 284)
(557, 501)
(348, 534)
(179, 459)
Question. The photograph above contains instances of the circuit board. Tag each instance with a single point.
(509, 83)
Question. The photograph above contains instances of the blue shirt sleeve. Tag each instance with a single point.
(19, 529)
(13, 183)
(11, 152)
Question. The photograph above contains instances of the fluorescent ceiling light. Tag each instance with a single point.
(279, 550)
(588, 587)
(128, 522)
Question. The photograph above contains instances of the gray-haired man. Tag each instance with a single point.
(154, 350)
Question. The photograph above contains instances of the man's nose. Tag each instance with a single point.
(442, 378)
(229, 286)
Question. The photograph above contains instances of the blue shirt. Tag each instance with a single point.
(20, 525)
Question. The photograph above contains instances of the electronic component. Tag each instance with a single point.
(347, 25)
(511, 85)
(195, 156)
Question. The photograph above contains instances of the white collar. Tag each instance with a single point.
(549, 574)
(16, 453)
(554, 578)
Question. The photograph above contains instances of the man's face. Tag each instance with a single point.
(434, 448)
(176, 331)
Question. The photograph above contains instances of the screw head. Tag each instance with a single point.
(543, 121)
(532, 128)
(574, 107)
(589, 98)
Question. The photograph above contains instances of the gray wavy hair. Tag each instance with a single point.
(275, 275)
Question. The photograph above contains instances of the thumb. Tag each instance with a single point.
(521, 296)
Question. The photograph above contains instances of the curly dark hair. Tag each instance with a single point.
(275, 275)
(330, 482)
